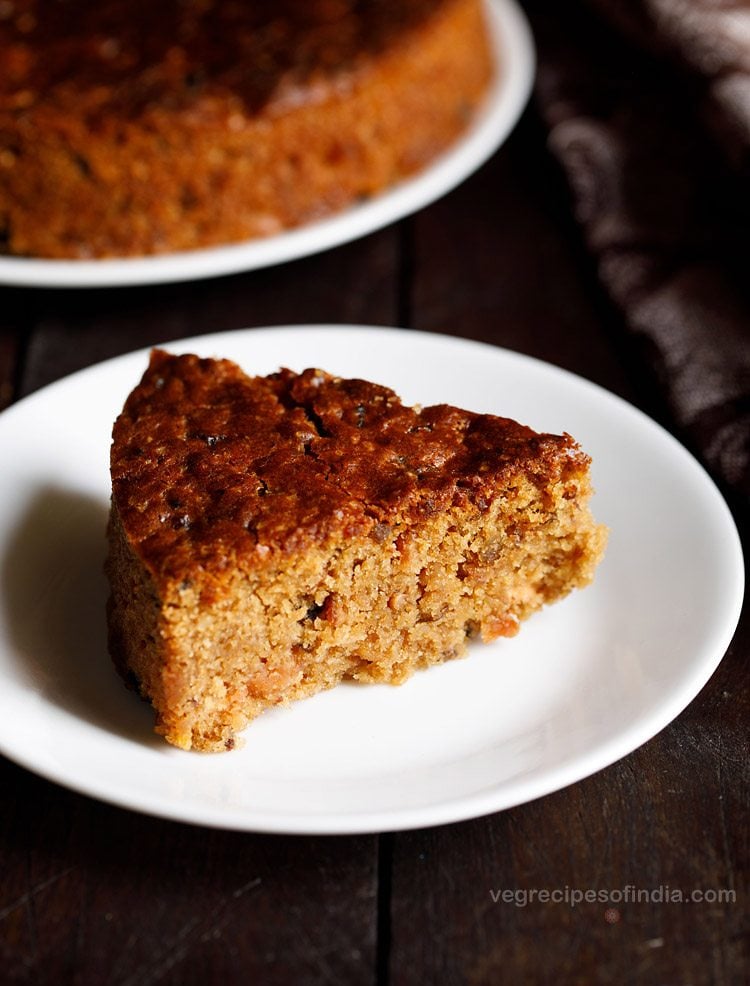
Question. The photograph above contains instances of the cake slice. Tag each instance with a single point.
(272, 536)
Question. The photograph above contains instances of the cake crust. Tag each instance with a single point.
(210, 465)
(272, 536)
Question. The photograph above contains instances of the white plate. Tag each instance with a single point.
(514, 52)
(585, 682)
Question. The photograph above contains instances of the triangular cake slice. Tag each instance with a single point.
(272, 536)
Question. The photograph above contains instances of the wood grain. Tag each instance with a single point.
(9, 359)
(94, 894)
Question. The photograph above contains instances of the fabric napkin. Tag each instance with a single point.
(647, 109)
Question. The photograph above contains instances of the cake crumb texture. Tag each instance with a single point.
(272, 536)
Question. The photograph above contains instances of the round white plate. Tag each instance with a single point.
(514, 53)
(585, 682)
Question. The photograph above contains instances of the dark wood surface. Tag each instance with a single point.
(94, 894)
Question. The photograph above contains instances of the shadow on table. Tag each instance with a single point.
(54, 593)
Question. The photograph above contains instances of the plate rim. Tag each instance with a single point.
(455, 808)
(515, 54)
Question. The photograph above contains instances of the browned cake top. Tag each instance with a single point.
(212, 468)
(112, 59)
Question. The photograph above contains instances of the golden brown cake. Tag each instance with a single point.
(129, 127)
(272, 536)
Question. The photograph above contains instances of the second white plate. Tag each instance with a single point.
(584, 683)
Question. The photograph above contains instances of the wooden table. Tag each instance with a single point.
(95, 894)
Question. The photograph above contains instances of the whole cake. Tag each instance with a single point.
(129, 127)
(272, 536)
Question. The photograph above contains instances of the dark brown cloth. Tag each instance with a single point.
(630, 93)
